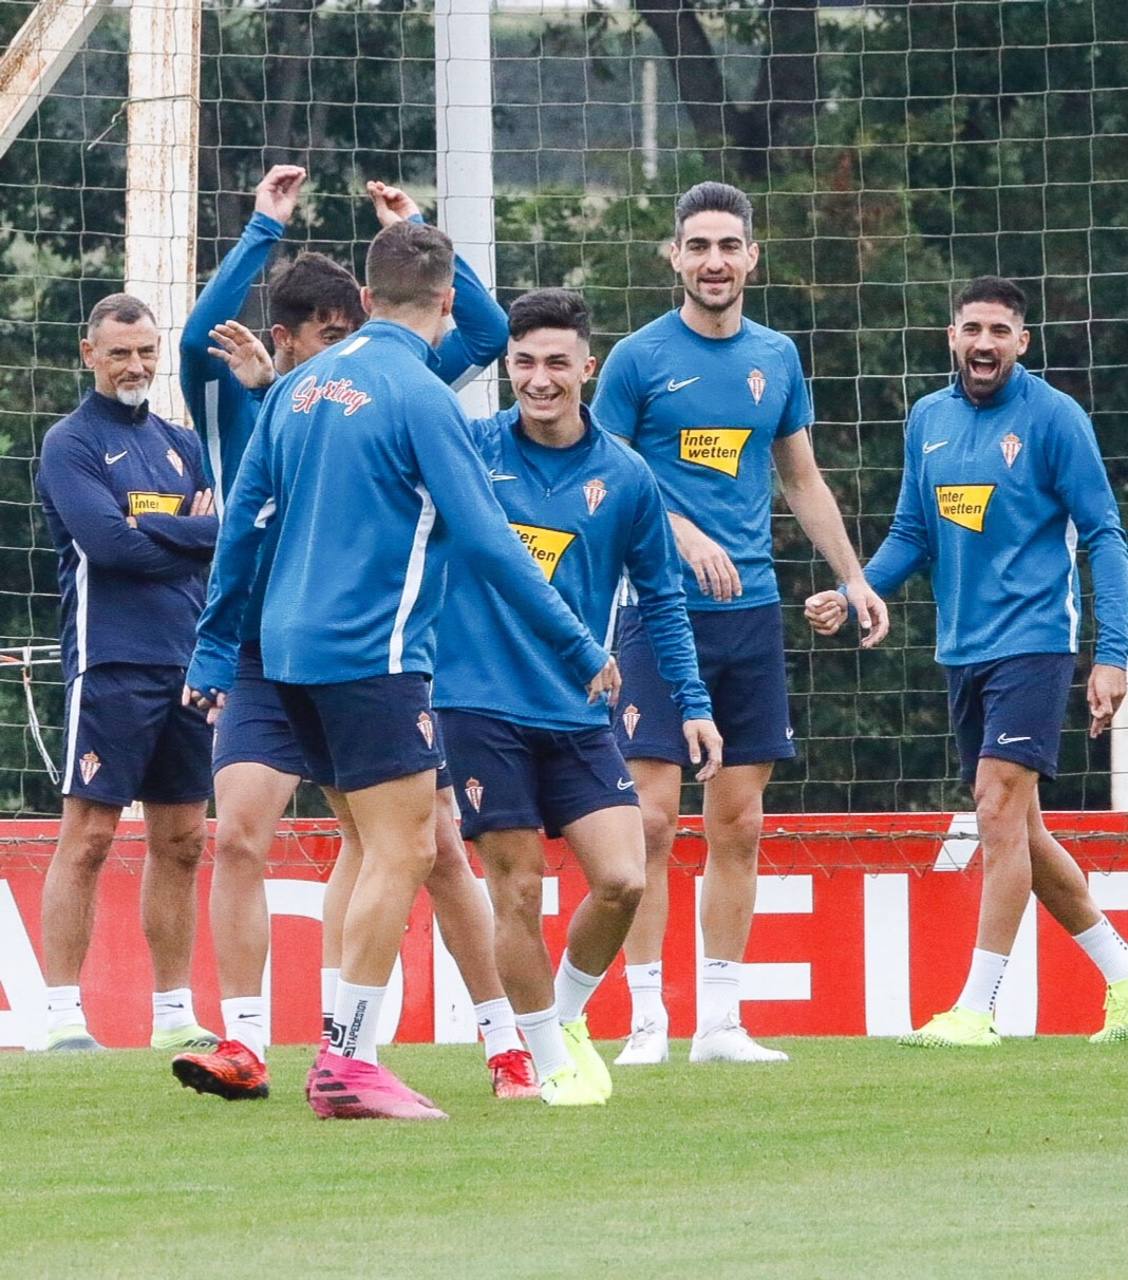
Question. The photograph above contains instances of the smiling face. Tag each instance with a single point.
(123, 358)
(986, 339)
(548, 368)
(714, 260)
(293, 347)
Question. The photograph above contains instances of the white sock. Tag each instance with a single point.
(355, 1015)
(244, 1019)
(64, 1008)
(983, 980)
(574, 989)
(545, 1040)
(1106, 948)
(498, 1026)
(329, 980)
(720, 993)
(645, 984)
(173, 1009)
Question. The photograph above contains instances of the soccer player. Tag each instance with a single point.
(711, 400)
(1002, 479)
(130, 514)
(526, 749)
(312, 303)
(363, 465)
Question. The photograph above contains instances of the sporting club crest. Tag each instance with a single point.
(631, 717)
(88, 766)
(175, 461)
(594, 493)
(757, 384)
(426, 727)
(474, 792)
(1011, 446)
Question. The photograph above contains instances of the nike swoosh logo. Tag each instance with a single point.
(623, 785)
(931, 448)
(485, 1022)
(685, 382)
(498, 475)
(1005, 740)
(117, 457)
(248, 1016)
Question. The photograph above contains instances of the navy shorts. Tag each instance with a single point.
(128, 738)
(254, 727)
(362, 732)
(740, 657)
(1010, 709)
(510, 776)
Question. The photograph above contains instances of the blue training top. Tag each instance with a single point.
(994, 500)
(585, 513)
(704, 413)
(225, 411)
(365, 461)
(127, 595)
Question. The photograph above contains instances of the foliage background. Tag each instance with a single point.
(891, 149)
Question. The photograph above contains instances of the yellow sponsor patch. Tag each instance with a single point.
(964, 504)
(546, 546)
(155, 504)
(716, 447)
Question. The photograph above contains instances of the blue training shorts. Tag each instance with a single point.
(254, 728)
(128, 738)
(1010, 709)
(510, 776)
(740, 656)
(362, 732)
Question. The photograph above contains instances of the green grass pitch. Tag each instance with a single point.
(857, 1159)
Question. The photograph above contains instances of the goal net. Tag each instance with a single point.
(892, 150)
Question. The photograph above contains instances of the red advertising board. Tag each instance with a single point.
(864, 925)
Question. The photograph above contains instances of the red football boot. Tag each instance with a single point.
(513, 1074)
(232, 1071)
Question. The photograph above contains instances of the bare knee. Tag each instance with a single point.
(87, 851)
(518, 899)
(238, 847)
(621, 890)
(659, 827)
(185, 847)
(736, 837)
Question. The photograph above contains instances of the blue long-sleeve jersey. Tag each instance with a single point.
(127, 594)
(224, 411)
(705, 413)
(365, 461)
(994, 501)
(586, 513)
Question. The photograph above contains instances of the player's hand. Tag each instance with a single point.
(873, 616)
(392, 204)
(211, 703)
(277, 194)
(243, 353)
(714, 570)
(606, 681)
(203, 504)
(702, 736)
(826, 611)
(1105, 693)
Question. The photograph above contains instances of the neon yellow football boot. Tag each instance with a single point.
(586, 1057)
(190, 1039)
(568, 1087)
(959, 1028)
(1115, 1029)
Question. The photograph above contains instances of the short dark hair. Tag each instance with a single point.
(312, 287)
(119, 306)
(550, 309)
(992, 289)
(409, 264)
(713, 197)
